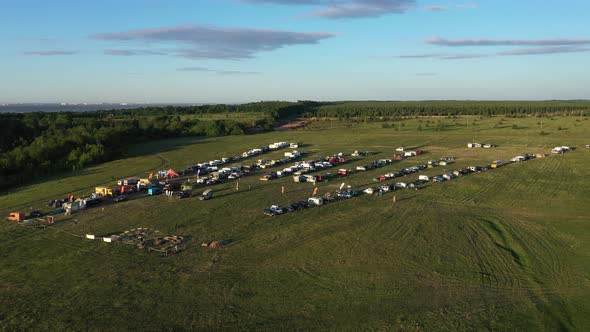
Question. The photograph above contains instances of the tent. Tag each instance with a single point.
(171, 174)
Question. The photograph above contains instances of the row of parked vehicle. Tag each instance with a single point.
(276, 209)
(213, 165)
(311, 202)
(562, 149)
(300, 168)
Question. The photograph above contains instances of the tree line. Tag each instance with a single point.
(34, 145)
(449, 108)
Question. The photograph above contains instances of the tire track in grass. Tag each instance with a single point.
(523, 251)
(491, 183)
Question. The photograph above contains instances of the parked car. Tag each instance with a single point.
(277, 208)
(120, 198)
(35, 214)
(184, 194)
(207, 194)
(270, 212)
(437, 178)
(346, 194)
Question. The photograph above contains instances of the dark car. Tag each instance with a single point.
(304, 204)
(94, 201)
(347, 194)
(119, 198)
(184, 194)
(36, 214)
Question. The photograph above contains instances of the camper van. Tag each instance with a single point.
(317, 201)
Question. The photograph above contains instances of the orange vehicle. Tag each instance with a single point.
(16, 216)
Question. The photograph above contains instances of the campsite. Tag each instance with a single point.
(495, 237)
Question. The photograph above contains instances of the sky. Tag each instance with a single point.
(233, 51)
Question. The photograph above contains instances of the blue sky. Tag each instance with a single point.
(250, 50)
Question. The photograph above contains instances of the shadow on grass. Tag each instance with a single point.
(136, 150)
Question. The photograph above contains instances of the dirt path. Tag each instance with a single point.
(298, 123)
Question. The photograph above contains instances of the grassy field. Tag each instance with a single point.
(507, 249)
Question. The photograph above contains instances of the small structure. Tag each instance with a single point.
(171, 174)
(218, 244)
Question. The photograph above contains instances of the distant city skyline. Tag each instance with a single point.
(234, 51)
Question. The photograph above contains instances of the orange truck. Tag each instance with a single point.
(16, 216)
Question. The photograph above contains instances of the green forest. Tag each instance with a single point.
(38, 144)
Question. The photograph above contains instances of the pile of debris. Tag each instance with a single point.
(167, 245)
(215, 244)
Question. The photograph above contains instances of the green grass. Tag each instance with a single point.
(503, 250)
